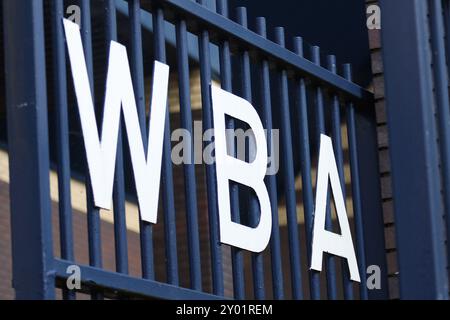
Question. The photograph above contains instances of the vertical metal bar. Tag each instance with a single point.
(371, 203)
(442, 101)
(337, 144)
(320, 118)
(26, 99)
(414, 152)
(257, 258)
(446, 8)
(356, 192)
(289, 182)
(226, 82)
(120, 226)
(189, 167)
(62, 137)
(137, 65)
(170, 232)
(271, 180)
(305, 160)
(205, 81)
(93, 213)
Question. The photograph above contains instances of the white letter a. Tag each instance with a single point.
(324, 240)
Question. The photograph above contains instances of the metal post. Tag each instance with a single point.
(32, 252)
(413, 150)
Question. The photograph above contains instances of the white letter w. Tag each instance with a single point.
(101, 153)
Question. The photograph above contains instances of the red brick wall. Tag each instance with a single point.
(6, 291)
(383, 146)
(107, 238)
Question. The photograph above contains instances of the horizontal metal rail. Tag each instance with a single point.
(119, 282)
(221, 27)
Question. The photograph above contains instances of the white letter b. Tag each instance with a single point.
(249, 174)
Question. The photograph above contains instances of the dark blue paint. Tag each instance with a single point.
(93, 213)
(232, 38)
(237, 255)
(189, 168)
(218, 25)
(337, 147)
(120, 227)
(442, 100)
(26, 102)
(62, 137)
(356, 192)
(289, 178)
(166, 170)
(118, 282)
(137, 72)
(320, 129)
(414, 151)
(271, 180)
(337, 27)
(211, 185)
(257, 258)
(305, 160)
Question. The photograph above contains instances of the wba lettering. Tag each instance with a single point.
(101, 151)
(146, 160)
(324, 240)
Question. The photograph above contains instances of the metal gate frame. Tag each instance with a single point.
(416, 76)
(36, 270)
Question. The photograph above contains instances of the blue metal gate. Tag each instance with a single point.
(418, 45)
(296, 94)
